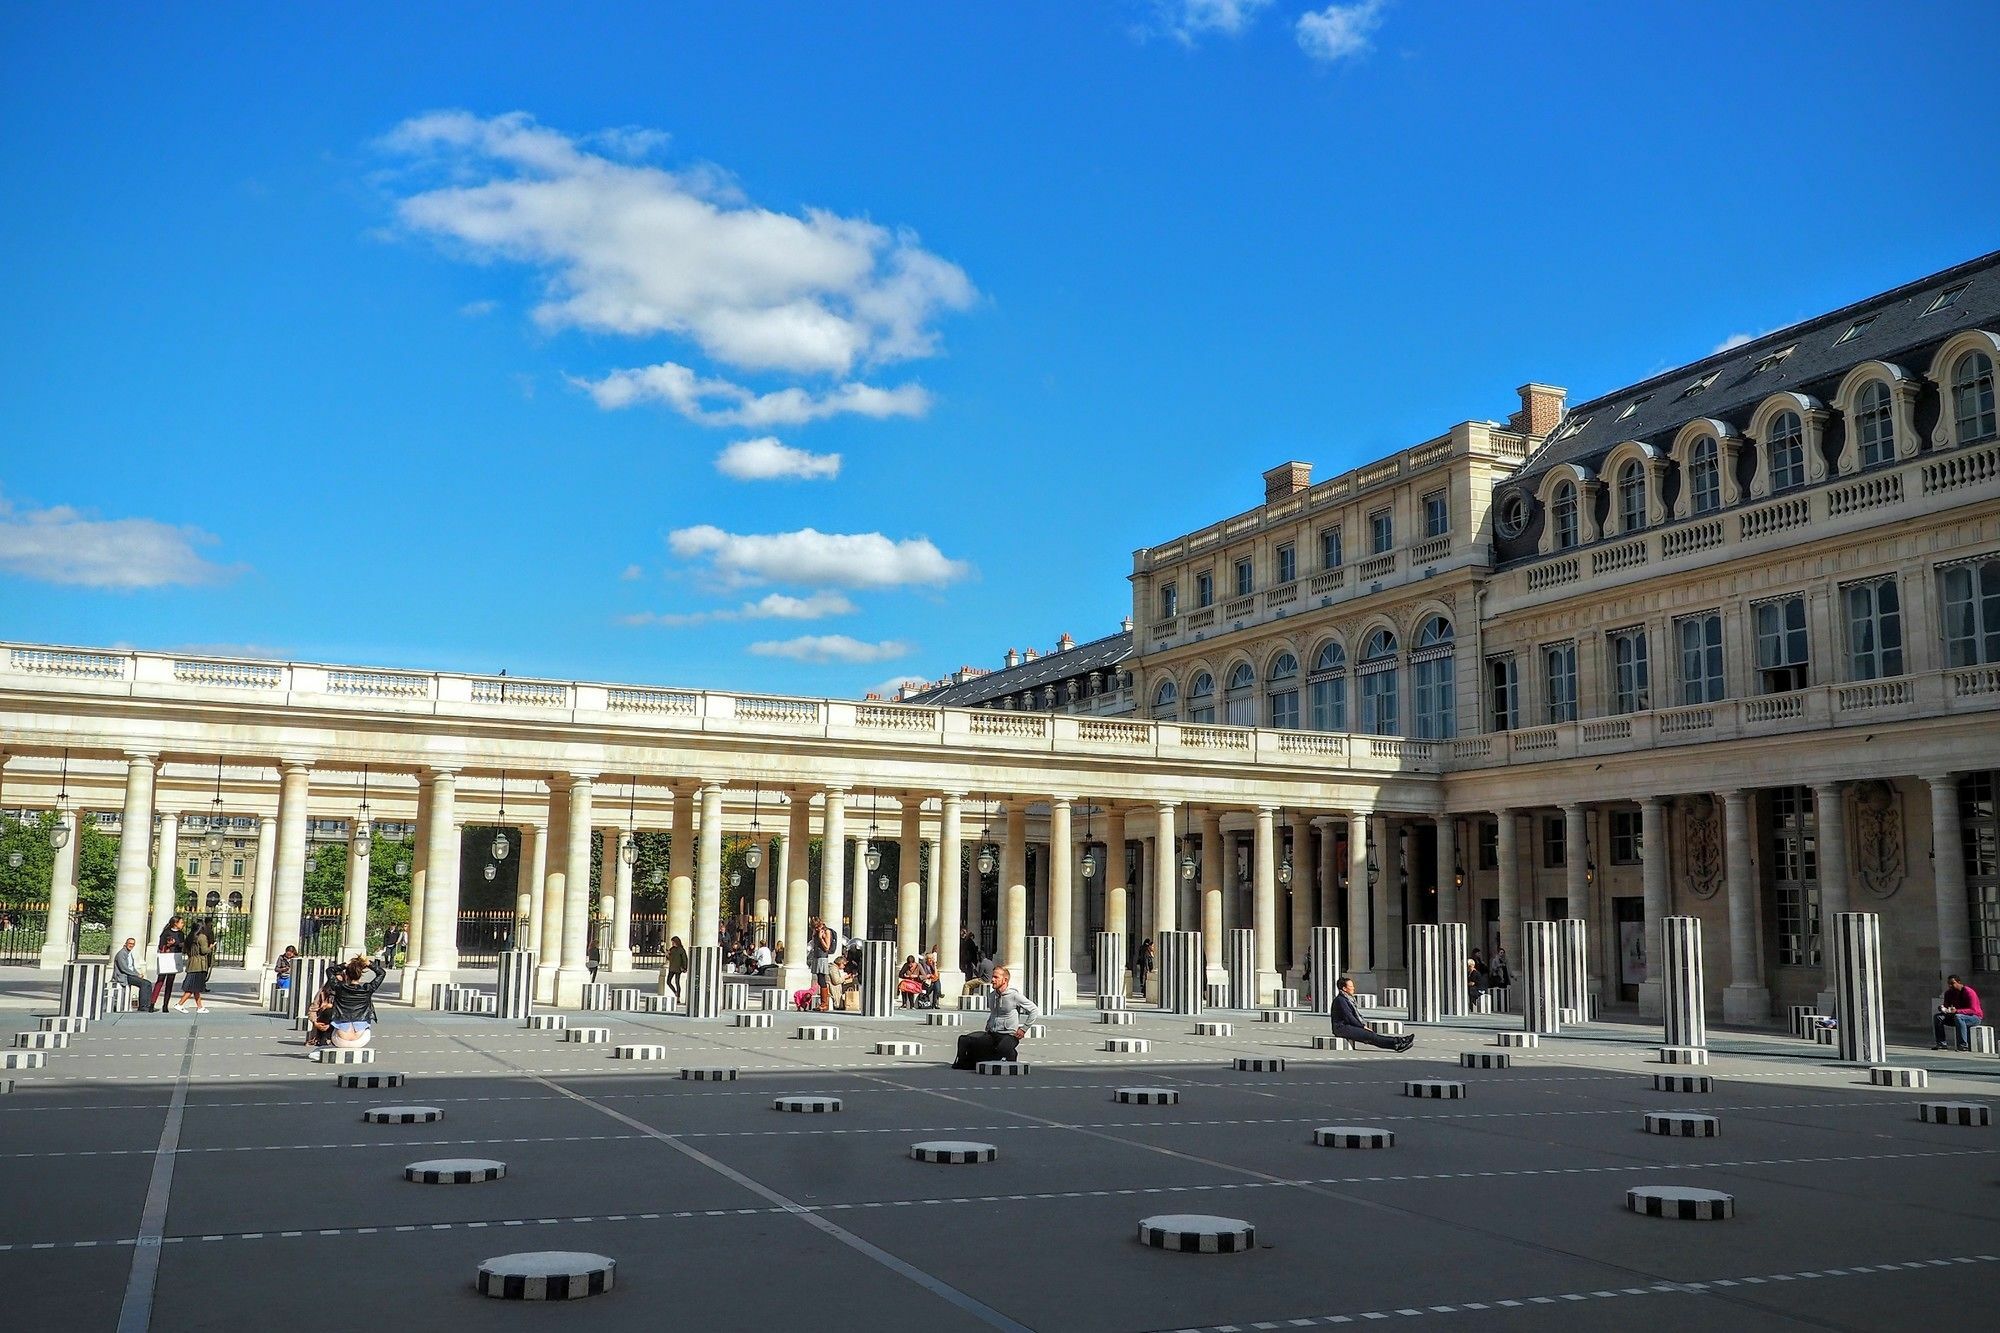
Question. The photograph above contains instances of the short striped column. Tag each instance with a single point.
(1452, 958)
(1541, 978)
(83, 990)
(1573, 944)
(1425, 967)
(1038, 973)
(1680, 941)
(1180, 971)
(878, 978)
(308, 975)
(1240, 958)
(517, 983)
(1110, 951)
(1324, 944)
(1857, 987)
(704, 981)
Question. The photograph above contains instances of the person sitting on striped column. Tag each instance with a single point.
(1347, 1022)
(1008, 1013)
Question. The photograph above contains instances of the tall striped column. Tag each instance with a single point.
(1857, 991)
(517, 983)
(1038, 972)
(1325, 963)
(878, 978)
(1181, 972)
(1541, 976)
(1110, 962)
(1574, 942)
(704, 981)
(1452, 958)
(1426, 983)
(308, 975)
(1241, 960)
(1680, 945)
(83, 988)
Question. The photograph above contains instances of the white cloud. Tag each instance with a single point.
(1339, 32)
(769, 459)
(477, 309)
(635, 249)
(816, 559)
(64, 545)
(889, 688)
(1190, 20)
(771, 606)
(717, 402)
(632, 574)
(1736, 340)
(830, 648)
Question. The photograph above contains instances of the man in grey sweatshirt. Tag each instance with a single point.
(125, 971)
(1008, 1013)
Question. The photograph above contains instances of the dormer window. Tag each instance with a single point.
(1700, 384)
(1564, 515)
(1947, 298)
(1704, 477)
(1788, 452)
(1855, 330)
(1632, 496)
(1635, 405)
(1774, 360)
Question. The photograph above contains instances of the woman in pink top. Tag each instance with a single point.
(1958, 1008)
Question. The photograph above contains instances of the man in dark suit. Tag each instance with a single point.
(1347, 1022)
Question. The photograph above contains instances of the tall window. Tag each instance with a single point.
(1972, 613)
(1329, 689)
(1874, 630)
(1246, 578)
(1329, 547)
(1170, 602)
(1288, 563)
(1239, 701)
(236, 868)
(1704, 477)
(1381, 532)
(1788, 452)
(1282, 692)
(1559, 681)
(1555, 847)
(1378, 685)
(194, 866)
(1437, 514)
(1503, 694)
(1972, 398)
(1701, 658)
(1489, 844)
(1166, 701)
(1626, 828)
(1204, 589)
(1201, 698)
(1781, 645)
(1632, 496)
(1795, 872)
(1432, 680)
(1563, 515)
(1979, 818)
(1631, 676)
(1875, 424)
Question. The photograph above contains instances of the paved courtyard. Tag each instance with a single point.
(215, 1148)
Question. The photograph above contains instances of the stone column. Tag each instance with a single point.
(1212, 889)
(798, 895)
(707, 926)
(1954, 930)
(1856, 938)
(1166, 870)
(949, 852)
(1081, 957)
(164, 866)
(1302, 898)
(1507, 854)
(928, 938)
(135, 838)
(857, 901)
(441, 838)
(288, 893)
(1745, 1000)
(1451, 894)
(910, 893)
(534, 879)
(1653, 855)
(420, 855)
(1360, 957)
(257, 951)
(1576, 861)
(680, 868)
(1117, 891)
(1329, 874)
(555, 890)
(574, 972)
(1014, 887)
(833, 859)
(615, 842)
(1830, 820)
(777, 855)
(1541, 976)
(1388, 904)
(1265, 915)
(62, 897)
(1062, 893)
(354, 912)
(1682, 991)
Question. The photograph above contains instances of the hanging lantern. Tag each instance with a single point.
(216, 819)
(873, 857)
(364, 837)
(657, 878)
(312, 860)
(753, 856)
(628, 850)
(402, 867)
(501, 845)
(1089, 866)
(1187, 866)
(59, 831)
(735, 879)
(1285, 871)
(986, 861)
(14, 860)
(490, 872)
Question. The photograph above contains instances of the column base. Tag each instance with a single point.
(1266, 985)
(1745, 1003)
(254, 962)
(621, 960)
(545, 984)
(1215, 974)
(1066, 987)
(1825, 1002)
(570, 982)
(53, 959)
(421, 981)
(1652, 1000)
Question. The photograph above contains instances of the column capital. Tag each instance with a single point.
(138, 756)
(1734, 794)
(1061, 799)
(586, 778)
(1578, 806)
(1832, 785)
(431, 771)
(948, 796)
(294, 764)
(1942, 779)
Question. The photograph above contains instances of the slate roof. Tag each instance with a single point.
(1898, 331)
(1097, 655)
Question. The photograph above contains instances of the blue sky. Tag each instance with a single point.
(420, 335)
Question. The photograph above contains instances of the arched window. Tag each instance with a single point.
(1201, 698)
(1704, 478)
(1378, 685)
(1787, 446)
(1874, 425)
(1239, 700)
(1564, 514)
(1431, 675)
(1972, 398)
(1166, 701)
(1632, 496)
(1281, 693)
(1329, 689)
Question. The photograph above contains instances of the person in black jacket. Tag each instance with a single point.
(352, 1012)
(168, 959)
(1347, 1022)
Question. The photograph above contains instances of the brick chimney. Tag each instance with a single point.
(1286, 479)
(1013, 658)
(1065, 643)
(1541, 409)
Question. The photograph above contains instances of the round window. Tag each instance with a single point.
(1513, 519)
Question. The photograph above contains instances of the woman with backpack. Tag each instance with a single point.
(677, 966)
(200, 962)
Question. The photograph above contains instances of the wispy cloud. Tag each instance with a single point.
(632, 573)
(831, 648)
(68, 546)
(1339, 32)
(478, 309)
(816, 559)
(1188, 21)
(1736, 340)
(766, 458)
(718, 402)
(889, 688)
(772, 606)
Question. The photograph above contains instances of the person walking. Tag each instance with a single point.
(970, 955)
(394, 940)
(1347, 1022)
(168, 960)
(1142, 965)
(1499, 976)
(200, 962)
(125, 970)
(677, 966)
(823, 957)
(1008, 1014)
(351, 992)
(1475, 975)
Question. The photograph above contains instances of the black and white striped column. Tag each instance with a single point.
(517, 983)
(1426, 985)
(83, 990)
(1241, 959)
(1574, 943)
(1681, 991)
(1325, 946)
(878, 978)
(1541, 975)
(1456, 981)
(308, 975)
(1181, 973)
(1857, 987)
(1038, 972)
(1110, 964)
(704, 981)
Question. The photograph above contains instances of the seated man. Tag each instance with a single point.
(1347, 1022)
(1958, 1012)
(1008, 1013)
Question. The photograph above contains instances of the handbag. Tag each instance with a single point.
(171, 962)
